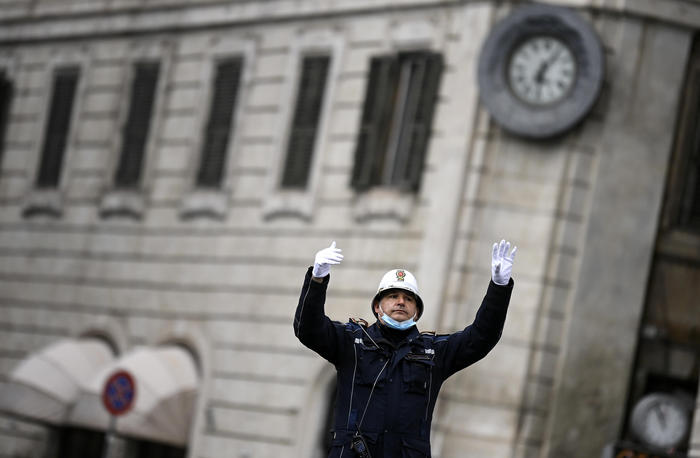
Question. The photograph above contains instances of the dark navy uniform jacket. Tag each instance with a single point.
(403, 380)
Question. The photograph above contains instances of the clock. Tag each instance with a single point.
(660, 421)
(540, 70)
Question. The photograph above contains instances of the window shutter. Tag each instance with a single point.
(425, 72)
(143, 91)
(684, 179)
(5, 98)
(694, 217)
(218, 130)
(307, 111)
(690, 211)
(64, 85)
(375, 124)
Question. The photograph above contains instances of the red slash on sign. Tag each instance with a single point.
(119, 393)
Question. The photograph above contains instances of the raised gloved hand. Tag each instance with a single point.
(502, 262)
(324, 259)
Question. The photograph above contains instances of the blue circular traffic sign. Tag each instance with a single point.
(119, 393)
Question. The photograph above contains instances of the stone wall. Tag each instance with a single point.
(227, 285)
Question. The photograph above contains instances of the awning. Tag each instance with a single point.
(45, 385)
(166, 389)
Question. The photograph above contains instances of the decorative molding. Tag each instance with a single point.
(122, 203)
(108, 329)
(413, 34)
(384, 203)
(282, 203)
(115, 22)
(45, 202)
(204, 203)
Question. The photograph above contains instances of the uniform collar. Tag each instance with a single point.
(376, 333)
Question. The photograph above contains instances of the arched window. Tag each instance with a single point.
(315, 426)
(326, 435)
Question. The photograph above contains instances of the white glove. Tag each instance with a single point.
(502, 262)
(324, 259)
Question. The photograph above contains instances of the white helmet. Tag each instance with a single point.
(399, 279)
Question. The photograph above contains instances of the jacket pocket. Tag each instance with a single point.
(416, 374)
(370, 363)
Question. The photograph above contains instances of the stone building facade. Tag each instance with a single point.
(157, 213)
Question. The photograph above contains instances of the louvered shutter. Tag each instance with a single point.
(64, 85)
(690, 214)
(376, 122)
(416, 123)
(307, 111)
(5, 98)
(218, 130)
(135, 135)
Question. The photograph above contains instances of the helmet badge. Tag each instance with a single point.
(400, 275)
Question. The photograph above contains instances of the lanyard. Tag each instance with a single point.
(370, 396)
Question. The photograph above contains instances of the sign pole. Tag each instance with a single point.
(109, 439)
(118, 396)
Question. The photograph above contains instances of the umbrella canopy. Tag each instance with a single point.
(45, 385)
(166, 383)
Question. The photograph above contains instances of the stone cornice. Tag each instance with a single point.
(107, 19)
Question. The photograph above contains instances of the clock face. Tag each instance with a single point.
(665, 424)
(660, 421)
(541, 70)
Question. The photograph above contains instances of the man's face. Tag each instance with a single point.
(398, 304)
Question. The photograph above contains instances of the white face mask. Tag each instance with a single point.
(392, 323)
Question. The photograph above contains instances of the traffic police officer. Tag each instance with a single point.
(389, 374)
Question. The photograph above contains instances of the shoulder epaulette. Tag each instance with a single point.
(434, 336)
(359, 321)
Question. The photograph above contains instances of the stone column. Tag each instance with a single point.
(598, 349)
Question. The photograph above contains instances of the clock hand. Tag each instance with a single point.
(544, 66)
(539, 76)
(660, 414)
(554, 56)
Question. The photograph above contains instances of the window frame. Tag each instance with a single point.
(200, 181)
(378, 161)
(294, 202)
(130, 202)
(675, 262)
(49, 202)
(286, 176)
(394, 202)
(122, 176)
(412, 34)
(5, 108)
(51, 162)
(213, 203)
(313, 425)
(677, 238)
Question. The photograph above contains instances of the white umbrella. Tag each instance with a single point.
(166, 383)
(45, 384)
